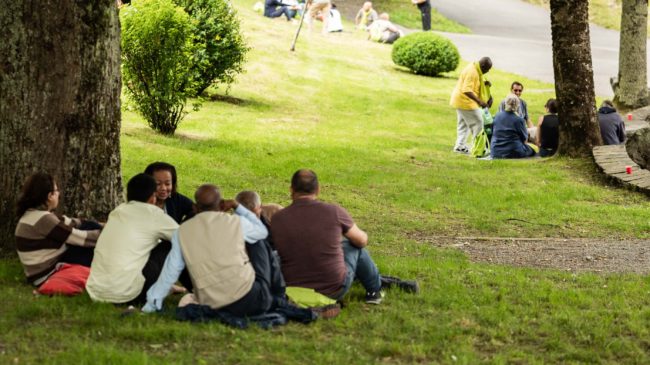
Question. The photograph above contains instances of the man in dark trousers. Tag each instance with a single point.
(425, 10)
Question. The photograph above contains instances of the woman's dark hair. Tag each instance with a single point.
(551, 104)
(35, 192)
(162, 166)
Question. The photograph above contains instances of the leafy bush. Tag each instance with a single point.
(220, 50)
(426, 53)
(157, 54)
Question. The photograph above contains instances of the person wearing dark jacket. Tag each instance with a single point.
(548, 130)
(509, 134)
(611, 124)
(174, 204)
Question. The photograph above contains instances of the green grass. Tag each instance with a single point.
(606, 13)
(404, 13)
(380, 139)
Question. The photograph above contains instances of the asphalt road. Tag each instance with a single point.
(517, 36)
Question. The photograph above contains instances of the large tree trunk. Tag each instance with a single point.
(60, 104)
(574, 78)
(632, 90)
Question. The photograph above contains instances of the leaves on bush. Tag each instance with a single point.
(426, 53)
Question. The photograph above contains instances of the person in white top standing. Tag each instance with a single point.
(129, 254)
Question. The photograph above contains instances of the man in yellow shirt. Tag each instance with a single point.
(470, 95)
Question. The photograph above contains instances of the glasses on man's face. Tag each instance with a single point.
(517, 91)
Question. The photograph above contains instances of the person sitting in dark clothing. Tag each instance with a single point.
(611, 124)
(548, 131)
(275, 8)
(509, 134)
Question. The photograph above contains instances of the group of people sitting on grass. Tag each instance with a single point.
(237, 255)
(379, 27)
(322, 10)
(511, 134)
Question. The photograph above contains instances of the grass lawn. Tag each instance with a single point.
(606, 13)
(380, 139)
(404, 13)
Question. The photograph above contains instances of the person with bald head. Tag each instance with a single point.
(365, 16)
(470, 96)
(227, 260)
(320, 246)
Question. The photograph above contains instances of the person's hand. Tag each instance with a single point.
(489, 102)
(483, 104)
(227, 205)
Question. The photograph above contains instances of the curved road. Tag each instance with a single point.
(517, 36)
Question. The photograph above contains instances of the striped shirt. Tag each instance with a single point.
(41, 239)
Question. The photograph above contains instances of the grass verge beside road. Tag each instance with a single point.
(606, 13)
(404, 13)
(380, 139)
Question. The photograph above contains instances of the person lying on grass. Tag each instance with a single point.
(130, 254)
(307, 235)
(45, 240)
(228, 260)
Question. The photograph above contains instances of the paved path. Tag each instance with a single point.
(517, 36)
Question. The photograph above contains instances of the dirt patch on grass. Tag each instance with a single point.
(574, 255)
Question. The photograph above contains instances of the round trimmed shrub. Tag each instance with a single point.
(426, 53)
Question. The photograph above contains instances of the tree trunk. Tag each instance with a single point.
(632, 90)
(574, 78)
(60, 89)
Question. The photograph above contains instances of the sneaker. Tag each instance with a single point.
(462, 150)
(409, 286)
(375, 297)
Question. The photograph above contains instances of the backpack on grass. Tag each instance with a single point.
(480, 145)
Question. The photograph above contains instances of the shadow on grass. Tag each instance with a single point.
(405, 70)
(233, 100)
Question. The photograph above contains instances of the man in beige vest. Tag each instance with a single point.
(227, 259)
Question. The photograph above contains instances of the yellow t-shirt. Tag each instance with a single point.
(468, 81)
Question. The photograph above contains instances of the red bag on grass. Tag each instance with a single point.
(69, 279)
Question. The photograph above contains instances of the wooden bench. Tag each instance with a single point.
(613, 159)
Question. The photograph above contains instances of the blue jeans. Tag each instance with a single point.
(359, 266)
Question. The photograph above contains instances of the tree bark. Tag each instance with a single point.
(574, 78)
(632, 90)
(60, 89)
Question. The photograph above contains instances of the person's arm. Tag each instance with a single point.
(621, 132)
(357, 237)
(174, 265)
(523, 132)
(55, 229)
(165, 225)
(471, 95)
(357, 18)
(392, 28)
(251, 226)
(538, 139)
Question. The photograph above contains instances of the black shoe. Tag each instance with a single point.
(375, 297)
(409, 286)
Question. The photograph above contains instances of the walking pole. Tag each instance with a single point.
(302, 18)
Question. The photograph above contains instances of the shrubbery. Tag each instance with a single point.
(426, 53)
(157, 60)
(220, 48)
(175, 49)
